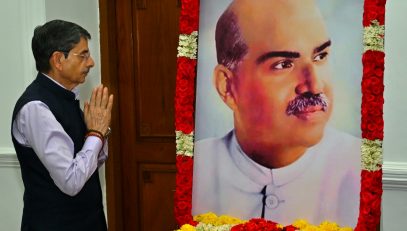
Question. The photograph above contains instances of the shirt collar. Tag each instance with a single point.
(75, 90)
(265, 176)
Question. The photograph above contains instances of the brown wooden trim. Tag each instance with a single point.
(129, 147)
(154, 183)
(109, 78)
(141, 4)
(128, 104)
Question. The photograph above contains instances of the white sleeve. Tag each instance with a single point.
(36, 127)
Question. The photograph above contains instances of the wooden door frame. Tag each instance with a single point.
(119, 73)
(109, 72)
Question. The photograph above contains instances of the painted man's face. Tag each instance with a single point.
(282, 87)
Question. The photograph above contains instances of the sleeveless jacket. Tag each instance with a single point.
(46, 207)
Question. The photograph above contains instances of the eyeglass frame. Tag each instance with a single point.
(85, 56)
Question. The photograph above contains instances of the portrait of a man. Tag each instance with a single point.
(281, 160)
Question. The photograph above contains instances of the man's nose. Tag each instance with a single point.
(310, 81)
(90, 62)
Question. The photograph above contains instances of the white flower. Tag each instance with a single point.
(372, 154)
(373, 37)
(188, 45)
(210, 227)
(184, 143)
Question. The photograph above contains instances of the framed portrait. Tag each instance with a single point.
(279, 114)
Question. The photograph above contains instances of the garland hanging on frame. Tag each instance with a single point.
(371, 124)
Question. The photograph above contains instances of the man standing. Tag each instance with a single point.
(59, 147)
(280, 162)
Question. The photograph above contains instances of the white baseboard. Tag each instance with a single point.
(395, 175)
(8, 158)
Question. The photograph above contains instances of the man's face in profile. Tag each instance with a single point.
(282, 87)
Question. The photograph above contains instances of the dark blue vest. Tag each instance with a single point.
(46, 207)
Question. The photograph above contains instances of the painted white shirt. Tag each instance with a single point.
(36, 127)
(323, 184)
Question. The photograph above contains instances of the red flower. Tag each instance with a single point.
(183, 192)
(257, 224)
(184, 164)
(370, 201)
(290, 228)
(374, 9)
(372, 99)
(189, 16)
(185, 95)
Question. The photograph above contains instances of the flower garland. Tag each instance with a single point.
(372, 115)
(371, 125)
(211, 222)
(184, 109)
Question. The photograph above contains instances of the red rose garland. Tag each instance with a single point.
(371, 125)
(189, 16)
(257, 224)
(183, 192)
(185, 95)
(374, 10)
(370, 201)
(372, 120)
(372, 99)
(184, 114)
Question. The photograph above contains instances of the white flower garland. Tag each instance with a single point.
(188, 45)
(185, 143)
(373, 37)
(372, 158)
(210, 227)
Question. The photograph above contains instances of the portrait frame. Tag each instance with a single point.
(371, 124)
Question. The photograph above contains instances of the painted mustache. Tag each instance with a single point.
(303, 101)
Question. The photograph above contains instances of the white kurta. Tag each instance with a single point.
(324, 184)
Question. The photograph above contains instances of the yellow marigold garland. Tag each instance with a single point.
(211, 222)
(303, 225)
(186, 227)
(212, 218)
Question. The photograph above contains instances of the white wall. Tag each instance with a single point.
(395, 127)
(86, 14)
(18, 19)
(17, 70)
(16, 58)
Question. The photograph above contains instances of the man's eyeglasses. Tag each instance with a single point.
(83, 56)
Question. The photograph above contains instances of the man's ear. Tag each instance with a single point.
(223, 79)
(56, 60)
